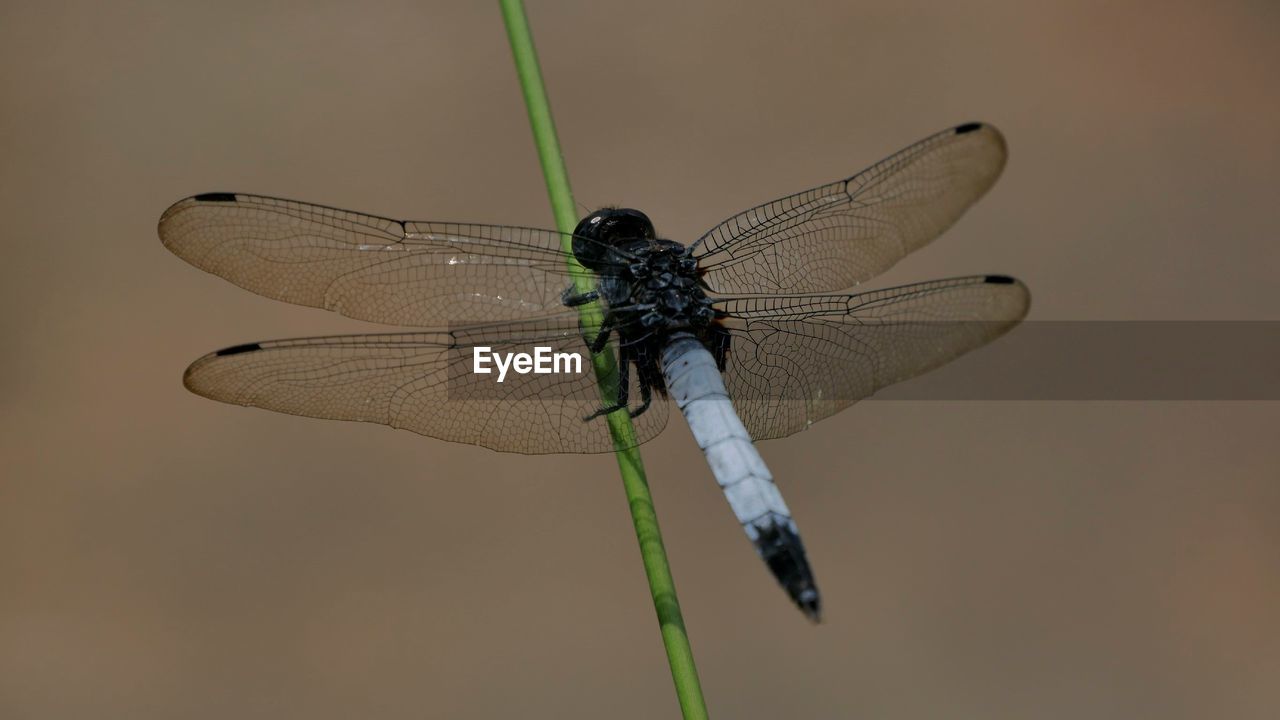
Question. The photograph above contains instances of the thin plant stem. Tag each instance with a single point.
(661, 585)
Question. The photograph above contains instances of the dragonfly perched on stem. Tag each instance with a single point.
(751, 329)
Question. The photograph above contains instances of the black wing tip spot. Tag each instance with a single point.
(216, 197)
(999, 280)
(968, 128)
(237, 349)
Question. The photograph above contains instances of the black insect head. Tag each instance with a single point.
(610, 228)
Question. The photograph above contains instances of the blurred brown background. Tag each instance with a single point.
(165, 556)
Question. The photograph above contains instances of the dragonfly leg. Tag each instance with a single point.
(602, 335)
(624, 386)
(646, 395)
(572, 299)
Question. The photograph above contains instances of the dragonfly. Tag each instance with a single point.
(752, 330)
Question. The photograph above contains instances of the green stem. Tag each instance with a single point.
(661, 585)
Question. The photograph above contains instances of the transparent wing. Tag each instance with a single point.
(796, 360)
(835, 236)
(424, 274)
(425, 382)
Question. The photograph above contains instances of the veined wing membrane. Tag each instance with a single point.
(425, 274)
(835, 236)
(425, 382)
(796, 360)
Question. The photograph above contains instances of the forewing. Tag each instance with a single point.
(397, 272)
(795, 360)
(835, 236)
(425, 382)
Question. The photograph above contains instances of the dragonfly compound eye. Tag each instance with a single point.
(599, 233)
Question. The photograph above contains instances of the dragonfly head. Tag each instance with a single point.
(610, 228)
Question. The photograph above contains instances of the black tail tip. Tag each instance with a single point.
(809, 603)
(778, 543)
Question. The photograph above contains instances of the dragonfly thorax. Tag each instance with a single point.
(664, 290)
(647, 282)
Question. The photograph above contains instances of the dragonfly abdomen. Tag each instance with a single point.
(694, 382)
